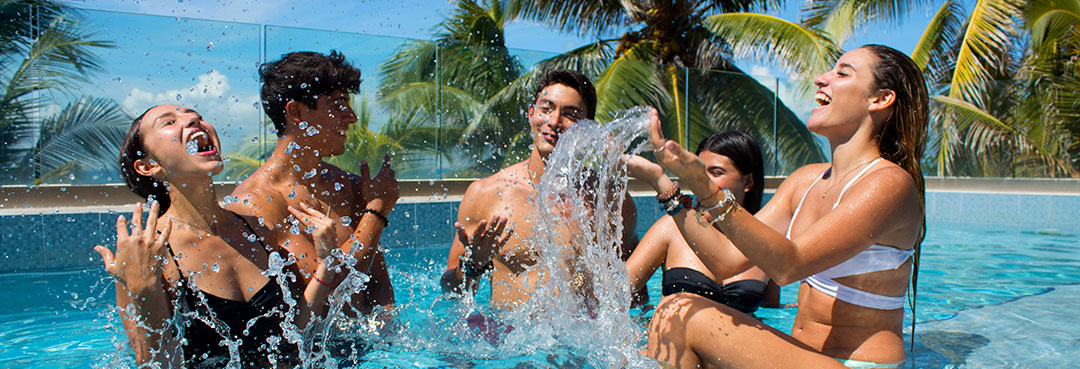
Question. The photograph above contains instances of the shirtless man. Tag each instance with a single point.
(494, 219)
(306, 95)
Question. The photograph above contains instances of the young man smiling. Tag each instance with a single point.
(494, 218)
(306, 95)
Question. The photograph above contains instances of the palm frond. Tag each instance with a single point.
(584, 17)
(840, 18)
(932, 53)
(984, 48)
(84, 137)
(799, 50)
(632, 79)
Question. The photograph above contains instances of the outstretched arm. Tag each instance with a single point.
(478, 239)
(140, 293)
(719, 256)
(874, 210)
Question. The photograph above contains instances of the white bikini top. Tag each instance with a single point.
(876, 258)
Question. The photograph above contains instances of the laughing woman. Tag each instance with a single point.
(198, 264)
(849, 230)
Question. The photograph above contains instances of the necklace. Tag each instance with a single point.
(829, 186)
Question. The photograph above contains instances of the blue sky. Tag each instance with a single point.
(205, 53)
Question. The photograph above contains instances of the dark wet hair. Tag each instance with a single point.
(303, 76)
(575, 80)
(746, 154)
(902, 137)
(134, 149)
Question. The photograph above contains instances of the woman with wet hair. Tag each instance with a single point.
(196, 266)
(732, 160)
(849, 230)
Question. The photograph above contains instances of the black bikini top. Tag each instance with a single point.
(264, 311)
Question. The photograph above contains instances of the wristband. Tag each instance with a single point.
(385, 221)
(322, 283)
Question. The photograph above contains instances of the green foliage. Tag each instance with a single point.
(42, 59)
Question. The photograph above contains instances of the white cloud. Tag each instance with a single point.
(236, 116)
(760, 71)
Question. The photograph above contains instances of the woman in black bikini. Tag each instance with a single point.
(733, 161)
(201, 263)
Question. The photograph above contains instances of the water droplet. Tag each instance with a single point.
(179, 97)
(309, 174)
(209, 46)
(215, 267)
(292, 195)
(338, 186)
(296, 167)
(303, 124)
(346, 220)
(311, 131)
(294, 229)
(251, 237)
(191, 147)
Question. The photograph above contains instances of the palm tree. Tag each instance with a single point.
(1006, 102)
(674, 61)
(407, 137)
(83, 138)
(48, 54)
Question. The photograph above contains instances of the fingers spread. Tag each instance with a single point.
(136, 219)
(151, 221)
(159, 245)
(106, 255)
(122, 230)
(365, 172)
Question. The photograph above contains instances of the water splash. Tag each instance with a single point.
(577, 235)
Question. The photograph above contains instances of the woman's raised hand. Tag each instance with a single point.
(140, 252)
(321, 226)
(673, 157)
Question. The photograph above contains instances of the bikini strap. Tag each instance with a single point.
(853, 179)
(797, 208)
(172, 256)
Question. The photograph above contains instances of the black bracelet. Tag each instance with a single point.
(386, 222)
(469, 270)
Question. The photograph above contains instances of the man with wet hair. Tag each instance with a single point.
(306, 95)
(494, 218)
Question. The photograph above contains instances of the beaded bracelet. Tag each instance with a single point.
(386, 222)
(669, 194)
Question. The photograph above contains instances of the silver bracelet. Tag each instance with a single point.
(728, 202)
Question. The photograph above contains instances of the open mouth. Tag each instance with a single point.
(199, 143)
(550, 137)
(822, 99)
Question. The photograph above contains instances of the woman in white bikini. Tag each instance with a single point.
(849, 230)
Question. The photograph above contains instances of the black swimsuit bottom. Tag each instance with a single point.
(745, 295)
(203, 344)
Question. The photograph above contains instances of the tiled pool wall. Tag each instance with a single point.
(59, 241)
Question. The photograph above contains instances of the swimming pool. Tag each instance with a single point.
(989, 296)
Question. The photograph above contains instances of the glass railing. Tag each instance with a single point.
(442, 110)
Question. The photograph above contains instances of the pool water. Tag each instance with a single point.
(988, 296)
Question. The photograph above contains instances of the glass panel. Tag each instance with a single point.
(204, 65)
(724, 101)
(401, 122)
(19, 118)
(795, 145)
